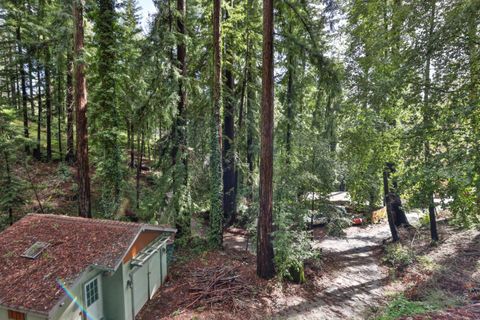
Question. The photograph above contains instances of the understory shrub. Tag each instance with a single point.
(398, 256)
(401, 306)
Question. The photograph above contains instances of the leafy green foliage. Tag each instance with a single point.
(401, 306)
(398, 256)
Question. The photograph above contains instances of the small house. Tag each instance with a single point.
(71, 268)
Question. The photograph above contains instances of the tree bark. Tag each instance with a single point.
(140, 148)
(70, 154)
(24, 89)
(132, 145)
(391, 222)
(48, 104)
(107, 115)
(474, 69)
(399, 216)
(83, 175)
(38, 151)
(265, 264)
(30, 84)
(59, 84)
(13, 77)
(181, 120)
(289, 104)
(228, 150)
(427, 123)
(216, 223)
(9, 182)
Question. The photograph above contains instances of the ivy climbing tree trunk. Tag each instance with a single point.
(250, 134)
(289, 102)
(38, 151)
(107, 114)
(70, 154)
(141, 146)
(427, 122)
(24, 89)
(228, 151)
(30, 83)
(249, 105)
(83, 176)
(59, 93)
(473, 97)
(265, 264)
(48, 103)
(9, 182)
(179, 153)
(216, 223)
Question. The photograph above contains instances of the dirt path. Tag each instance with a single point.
(355, 284)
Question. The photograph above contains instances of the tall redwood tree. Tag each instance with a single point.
(80, 100)
(216, 214)
(265, 265)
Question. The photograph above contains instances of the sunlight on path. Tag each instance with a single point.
(356, 286)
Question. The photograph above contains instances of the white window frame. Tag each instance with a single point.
(95, 293)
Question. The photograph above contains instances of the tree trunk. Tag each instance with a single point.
(265, 264)
(140, 148)
(48, 104)
(70, 155)
(13, 77)
(81, 113)
(474, 69)
(38, 151)
(24, 89)
(391, 222)
(107, 114)
(399, 216)
(9, 183)
(179, 155)
(289, 103)
(427, 123)
(30, 84)
(59, 108)
(132, 146)
(250, 98)
(250, 132)
(216, 223)
(228, 150)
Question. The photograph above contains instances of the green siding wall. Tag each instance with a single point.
(113, 296)
(70, 310)
(140, 284)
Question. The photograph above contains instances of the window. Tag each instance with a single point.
(91, 290)
(16, 315)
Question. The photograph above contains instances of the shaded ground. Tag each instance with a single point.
(48, 188)
(470, 312)
(353, 284)
(347, 283)
(173, 300)
(447, 274)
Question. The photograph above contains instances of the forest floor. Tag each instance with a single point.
(345, 284)
(351, 281)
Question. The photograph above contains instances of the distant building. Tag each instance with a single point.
(70, 268)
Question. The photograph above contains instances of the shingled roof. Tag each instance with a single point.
(74, 244)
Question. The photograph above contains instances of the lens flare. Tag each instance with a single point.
(75, 300)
